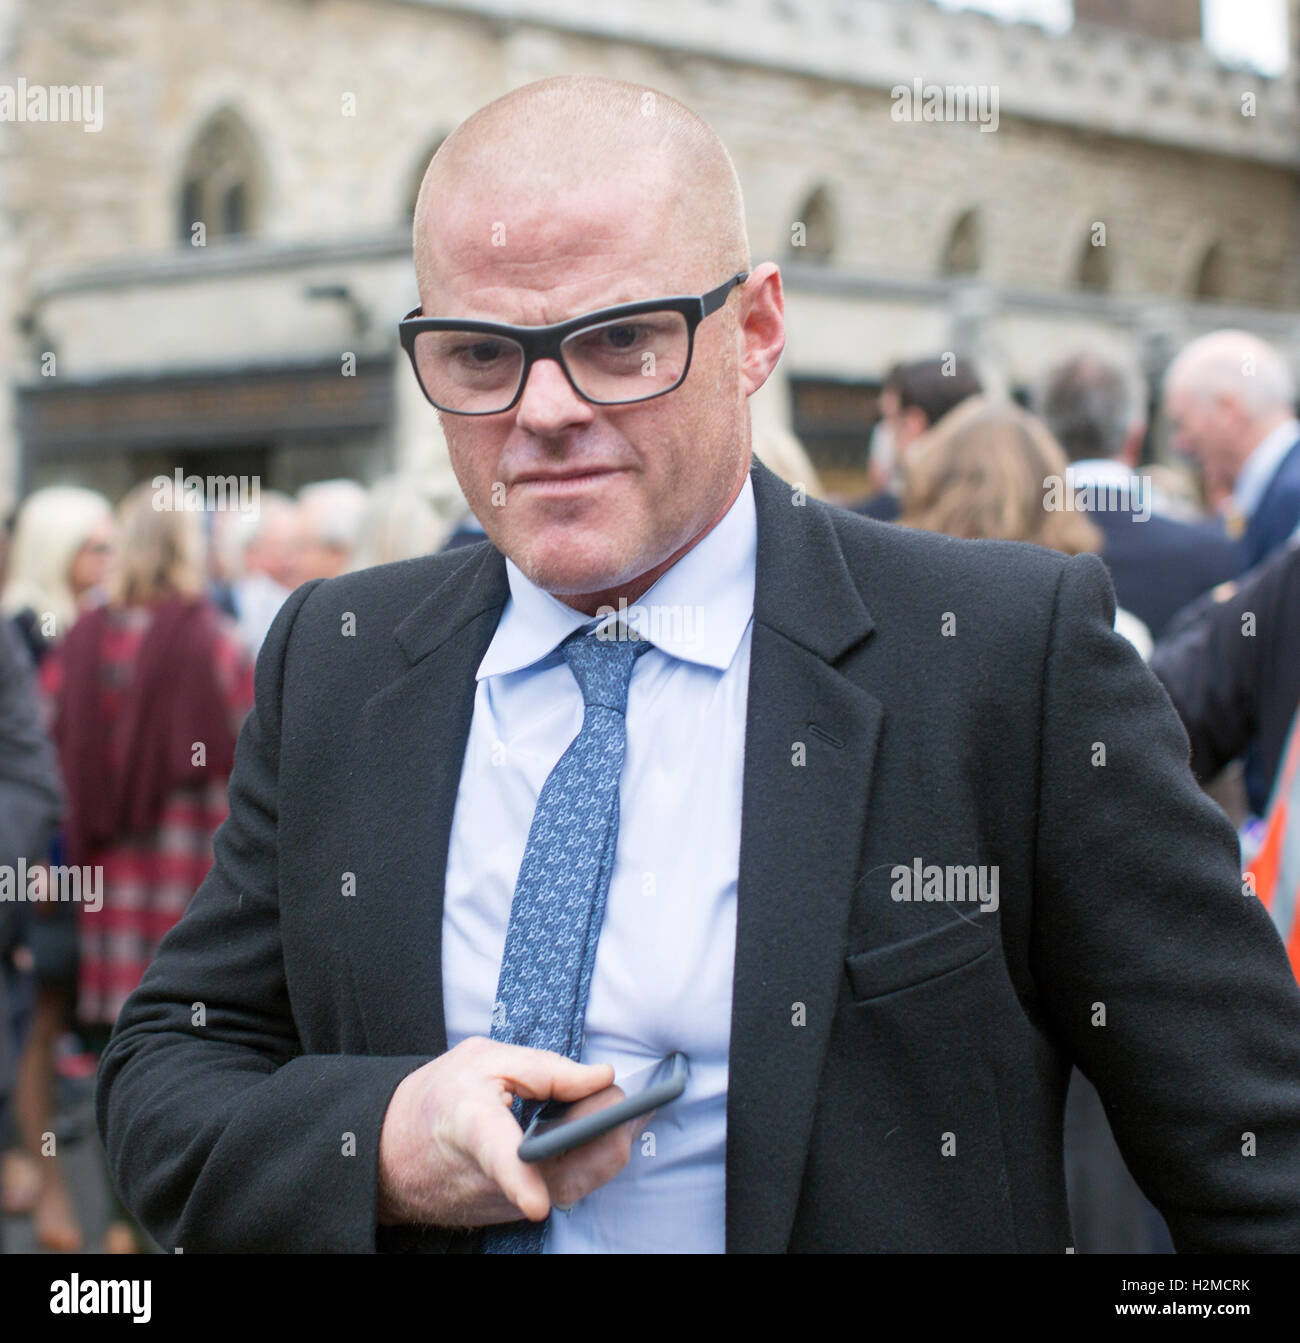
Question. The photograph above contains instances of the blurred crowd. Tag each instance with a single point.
(130, 635)
(126, 670)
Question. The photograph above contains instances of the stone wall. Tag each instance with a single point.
(344, 99)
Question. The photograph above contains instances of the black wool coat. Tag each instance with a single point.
(897, 1067)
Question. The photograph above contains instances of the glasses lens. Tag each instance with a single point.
(629, 359)
(468, 371)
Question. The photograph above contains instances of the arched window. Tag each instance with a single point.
(961, 253)
(812, 237)
(1209, 279)
(221, 185)
(421, 167)
(1094, 261)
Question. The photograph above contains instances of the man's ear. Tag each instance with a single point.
(762, 326)
(1228, 406)
(914, 423)
(1132, 449)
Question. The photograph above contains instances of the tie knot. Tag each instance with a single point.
(603, 667)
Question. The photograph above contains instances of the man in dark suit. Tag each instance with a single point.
(1234, 674)
(872, 860)
(1231, 401)
(1158, 565)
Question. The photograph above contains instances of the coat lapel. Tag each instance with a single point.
(411, 743)
(809, 746)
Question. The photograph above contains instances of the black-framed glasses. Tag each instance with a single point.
(630, 352)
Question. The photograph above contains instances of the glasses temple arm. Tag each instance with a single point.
(715, 298)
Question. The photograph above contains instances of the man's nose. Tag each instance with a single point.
(549, 403)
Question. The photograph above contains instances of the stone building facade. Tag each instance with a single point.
(1133, 193)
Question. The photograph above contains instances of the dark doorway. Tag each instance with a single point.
(249, 462)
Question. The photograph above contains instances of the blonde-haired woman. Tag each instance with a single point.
(59, 558)
(985, 470)
(149, 692)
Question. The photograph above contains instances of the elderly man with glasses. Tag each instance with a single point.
(679, 762)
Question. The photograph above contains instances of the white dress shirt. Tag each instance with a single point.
(1111, 474)
(1106, 472)
(257, 600)
(663, 973)
(1099, 471)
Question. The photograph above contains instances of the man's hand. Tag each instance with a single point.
(448, 1150)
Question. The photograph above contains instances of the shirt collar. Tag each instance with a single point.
(697, 611)
(1098, 471)
(1261, 466)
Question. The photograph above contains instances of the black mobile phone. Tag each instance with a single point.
(560, 1126)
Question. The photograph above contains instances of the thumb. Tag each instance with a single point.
(539, 1074)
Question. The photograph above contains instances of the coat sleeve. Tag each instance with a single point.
(1211, 671)
(1167, 984)
(1228, 674)
(225, 1135)
(31, 797)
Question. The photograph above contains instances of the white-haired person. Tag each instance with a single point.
(58, 560)
(261, 555)
(1230, 400)
(329, 522)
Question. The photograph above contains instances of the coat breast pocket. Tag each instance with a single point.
(903, 965)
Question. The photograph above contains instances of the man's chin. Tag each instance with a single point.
(572, 569)
(569, 582)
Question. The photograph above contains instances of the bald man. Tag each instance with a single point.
(680, 761)
(1230, 400)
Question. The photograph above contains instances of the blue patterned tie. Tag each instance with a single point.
(559, 901)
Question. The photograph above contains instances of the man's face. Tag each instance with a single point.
(314, 557)
(1210, 430)
(274, 552)
(904, 426)
(585, 498)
